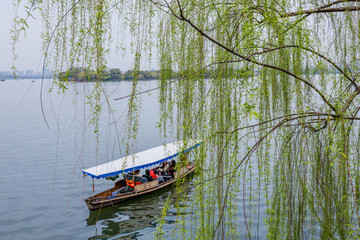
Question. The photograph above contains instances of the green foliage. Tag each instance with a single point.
(271, 87)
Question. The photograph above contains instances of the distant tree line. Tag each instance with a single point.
(113, 74)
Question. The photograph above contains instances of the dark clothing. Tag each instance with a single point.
(172, 169)
(148, 177)
(172, 172)
(134, 178)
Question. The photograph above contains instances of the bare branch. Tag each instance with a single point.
(349, 101)
(259, 63)
(324, 9)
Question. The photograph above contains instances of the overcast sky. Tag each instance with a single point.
(29, 47)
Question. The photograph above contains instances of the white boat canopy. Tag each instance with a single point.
(142, 159)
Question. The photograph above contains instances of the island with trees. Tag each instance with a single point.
(113, 74)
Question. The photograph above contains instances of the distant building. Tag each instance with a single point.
(29, 73)
(25, 74)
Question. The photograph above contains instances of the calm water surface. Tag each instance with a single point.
(42, 187)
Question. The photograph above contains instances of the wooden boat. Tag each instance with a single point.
(122, 191)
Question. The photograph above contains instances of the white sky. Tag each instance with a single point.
(28, 48)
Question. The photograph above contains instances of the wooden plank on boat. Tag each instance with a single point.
(146, 186)
(179, 173)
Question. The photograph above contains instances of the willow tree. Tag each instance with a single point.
(270, 86)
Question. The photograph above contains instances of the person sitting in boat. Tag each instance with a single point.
(167, 168)
(135, 173)
(155, 175)
(147, 175)
(172, 169)
(161, 168)
(167, 174)
(133, 180)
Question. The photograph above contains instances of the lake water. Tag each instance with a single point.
(42, 187)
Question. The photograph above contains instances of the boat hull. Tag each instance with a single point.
(105, 199)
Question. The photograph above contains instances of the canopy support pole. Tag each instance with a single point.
(93, 186)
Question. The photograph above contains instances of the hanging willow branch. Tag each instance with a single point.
(271, 87)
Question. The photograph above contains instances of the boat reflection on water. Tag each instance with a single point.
(134, 218)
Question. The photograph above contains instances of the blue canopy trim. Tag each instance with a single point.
(141, 166)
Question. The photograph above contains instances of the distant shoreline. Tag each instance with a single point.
(22, 77)
(70, 81)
